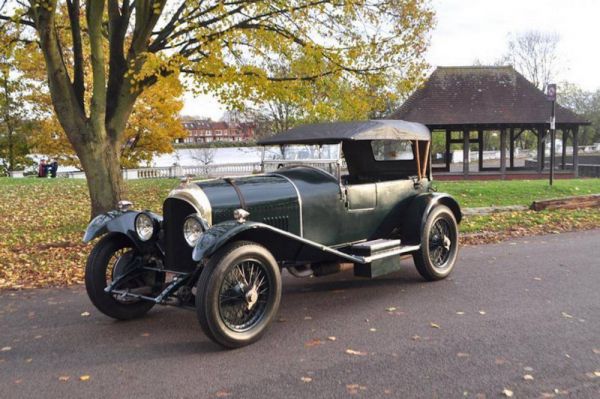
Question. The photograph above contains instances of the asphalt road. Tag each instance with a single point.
(525, 307)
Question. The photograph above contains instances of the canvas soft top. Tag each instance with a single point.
(335, 132)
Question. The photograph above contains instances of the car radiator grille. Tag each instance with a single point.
(280, 222)
(177, 253)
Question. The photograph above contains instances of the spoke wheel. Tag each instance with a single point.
(244, 295)
(439, 245)
(110, 258)
(238, 294)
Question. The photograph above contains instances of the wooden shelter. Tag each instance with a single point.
(465, 102)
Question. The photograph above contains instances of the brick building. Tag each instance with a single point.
(206, 131)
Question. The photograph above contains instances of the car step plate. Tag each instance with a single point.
(381, 257)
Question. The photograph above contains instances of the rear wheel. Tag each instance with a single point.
(439, 245)
(110, 258)
(238, 294)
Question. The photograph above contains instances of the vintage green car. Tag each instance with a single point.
(221, 245)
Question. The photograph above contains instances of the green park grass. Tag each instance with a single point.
(42, 220)
(514, 192)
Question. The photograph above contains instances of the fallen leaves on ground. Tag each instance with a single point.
(85, 314)
(508, 393)
(353, 389)
(355, 352)
(306, 379)
(502, 226)
(313, 342)
(64, 378)
(528, 377)
(5, 349)
(390, 309)
(331, 338)
(434, 325)
(43, 223)
(84, 378)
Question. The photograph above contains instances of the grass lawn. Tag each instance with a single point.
(42, 220)
(514, 192)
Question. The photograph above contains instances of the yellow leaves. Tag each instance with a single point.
(508, 393)
(85, 314)
(354, 389)
(84, 378)
(306, 379)
(313, 342)
(355, 352)
(40, 239)
(434, 325)
(64, 378)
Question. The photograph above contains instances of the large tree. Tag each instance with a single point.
(534, 54)
(230, 47)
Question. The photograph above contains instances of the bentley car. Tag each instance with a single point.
(331, 194)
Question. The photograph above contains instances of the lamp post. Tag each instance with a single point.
(551, 96)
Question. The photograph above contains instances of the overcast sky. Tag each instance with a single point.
(469, 30)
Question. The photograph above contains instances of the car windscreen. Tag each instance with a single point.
(300, 152)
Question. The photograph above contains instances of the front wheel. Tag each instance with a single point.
(439, 245)
(111, 257)
(238, 294)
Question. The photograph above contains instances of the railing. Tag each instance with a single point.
(215, 170)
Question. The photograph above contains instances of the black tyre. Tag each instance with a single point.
(238, 294)
(112, 256)
(439, 245)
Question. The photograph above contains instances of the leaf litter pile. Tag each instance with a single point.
(42, 223)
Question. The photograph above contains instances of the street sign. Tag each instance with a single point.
(551, 92)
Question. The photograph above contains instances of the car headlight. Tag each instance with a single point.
(193, 227)
(144, 226)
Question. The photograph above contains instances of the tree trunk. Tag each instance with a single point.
(100, 162)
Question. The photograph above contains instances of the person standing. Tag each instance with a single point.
(42, 168)
(53, 168)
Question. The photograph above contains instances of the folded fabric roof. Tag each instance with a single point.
(335, 132)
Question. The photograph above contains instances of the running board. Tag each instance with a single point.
(379, 257)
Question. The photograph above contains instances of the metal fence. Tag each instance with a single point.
(216, 170)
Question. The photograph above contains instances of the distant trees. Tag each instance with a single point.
(15, 107)
(585, 103)
(534, 54)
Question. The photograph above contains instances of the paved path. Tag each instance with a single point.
(531, 307)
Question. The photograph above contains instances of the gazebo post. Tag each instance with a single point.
(466, 134)
(511, 151)
(540, 150)
(565, 136)
(575, 151)
(480, 149)
(503, 152)
(448, 138)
